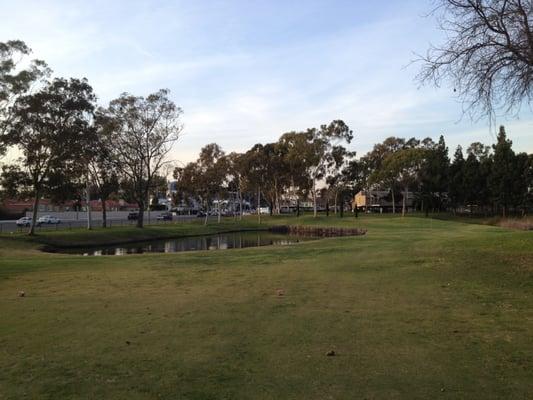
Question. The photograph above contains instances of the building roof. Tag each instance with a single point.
(25, 204)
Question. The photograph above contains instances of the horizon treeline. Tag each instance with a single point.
(71, 148)
(487, 179)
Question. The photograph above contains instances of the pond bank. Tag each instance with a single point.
(219, 241)
(123, 235)
(99, 237)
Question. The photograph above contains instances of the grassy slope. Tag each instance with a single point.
(417, 308)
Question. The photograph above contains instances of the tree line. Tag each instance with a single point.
(484, 179)
(67, 146)
(272, 173)
(316, 164)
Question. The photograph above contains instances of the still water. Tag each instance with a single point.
(237, 240)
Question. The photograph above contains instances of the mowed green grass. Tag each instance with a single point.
(416, 309)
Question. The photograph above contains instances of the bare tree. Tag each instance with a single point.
(487, 54)
(144, 131)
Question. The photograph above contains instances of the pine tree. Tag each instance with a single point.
(456, 179)
(472, 181)
(434, 176)
(522, 182)
(502, 174)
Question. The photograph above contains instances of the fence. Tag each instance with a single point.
(11, 226)
(82, 215)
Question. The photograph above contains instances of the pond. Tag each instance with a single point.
(223, 241)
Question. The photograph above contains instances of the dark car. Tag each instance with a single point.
(165, 217)
(133, 216)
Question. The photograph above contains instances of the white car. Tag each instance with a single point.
(48, 219)
(24, 221)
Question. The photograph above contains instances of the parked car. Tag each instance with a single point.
(133, 216)
(165, 217)
(200, 214)
(24, 221)
(48, 219)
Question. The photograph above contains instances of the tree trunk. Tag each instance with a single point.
(104, 213)
(297, 207)
(342, 206)
(327, 208)
(240, 204)
(148, 206)
(259, 204)
(88, 205)
(393, 202)
(233, 205)
(335, 203)
(276, 198)
(206, 212)
(404, 201)
(218, 209)
(314, 198)
(140, 218)
(31, 232)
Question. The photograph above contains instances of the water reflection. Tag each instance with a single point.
(225, 241)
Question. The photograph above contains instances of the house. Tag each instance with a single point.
(381, 200)
(15, 206)
(111, 205)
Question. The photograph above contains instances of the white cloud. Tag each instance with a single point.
(240, 83)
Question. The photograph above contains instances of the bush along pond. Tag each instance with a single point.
(317, 231)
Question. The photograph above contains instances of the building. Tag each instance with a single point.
(381, 200)
(15, 207)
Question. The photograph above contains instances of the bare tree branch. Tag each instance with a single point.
(487, 56)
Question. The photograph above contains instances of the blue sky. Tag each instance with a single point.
(248, 71)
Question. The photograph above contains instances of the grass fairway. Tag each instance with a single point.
(416, 309)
